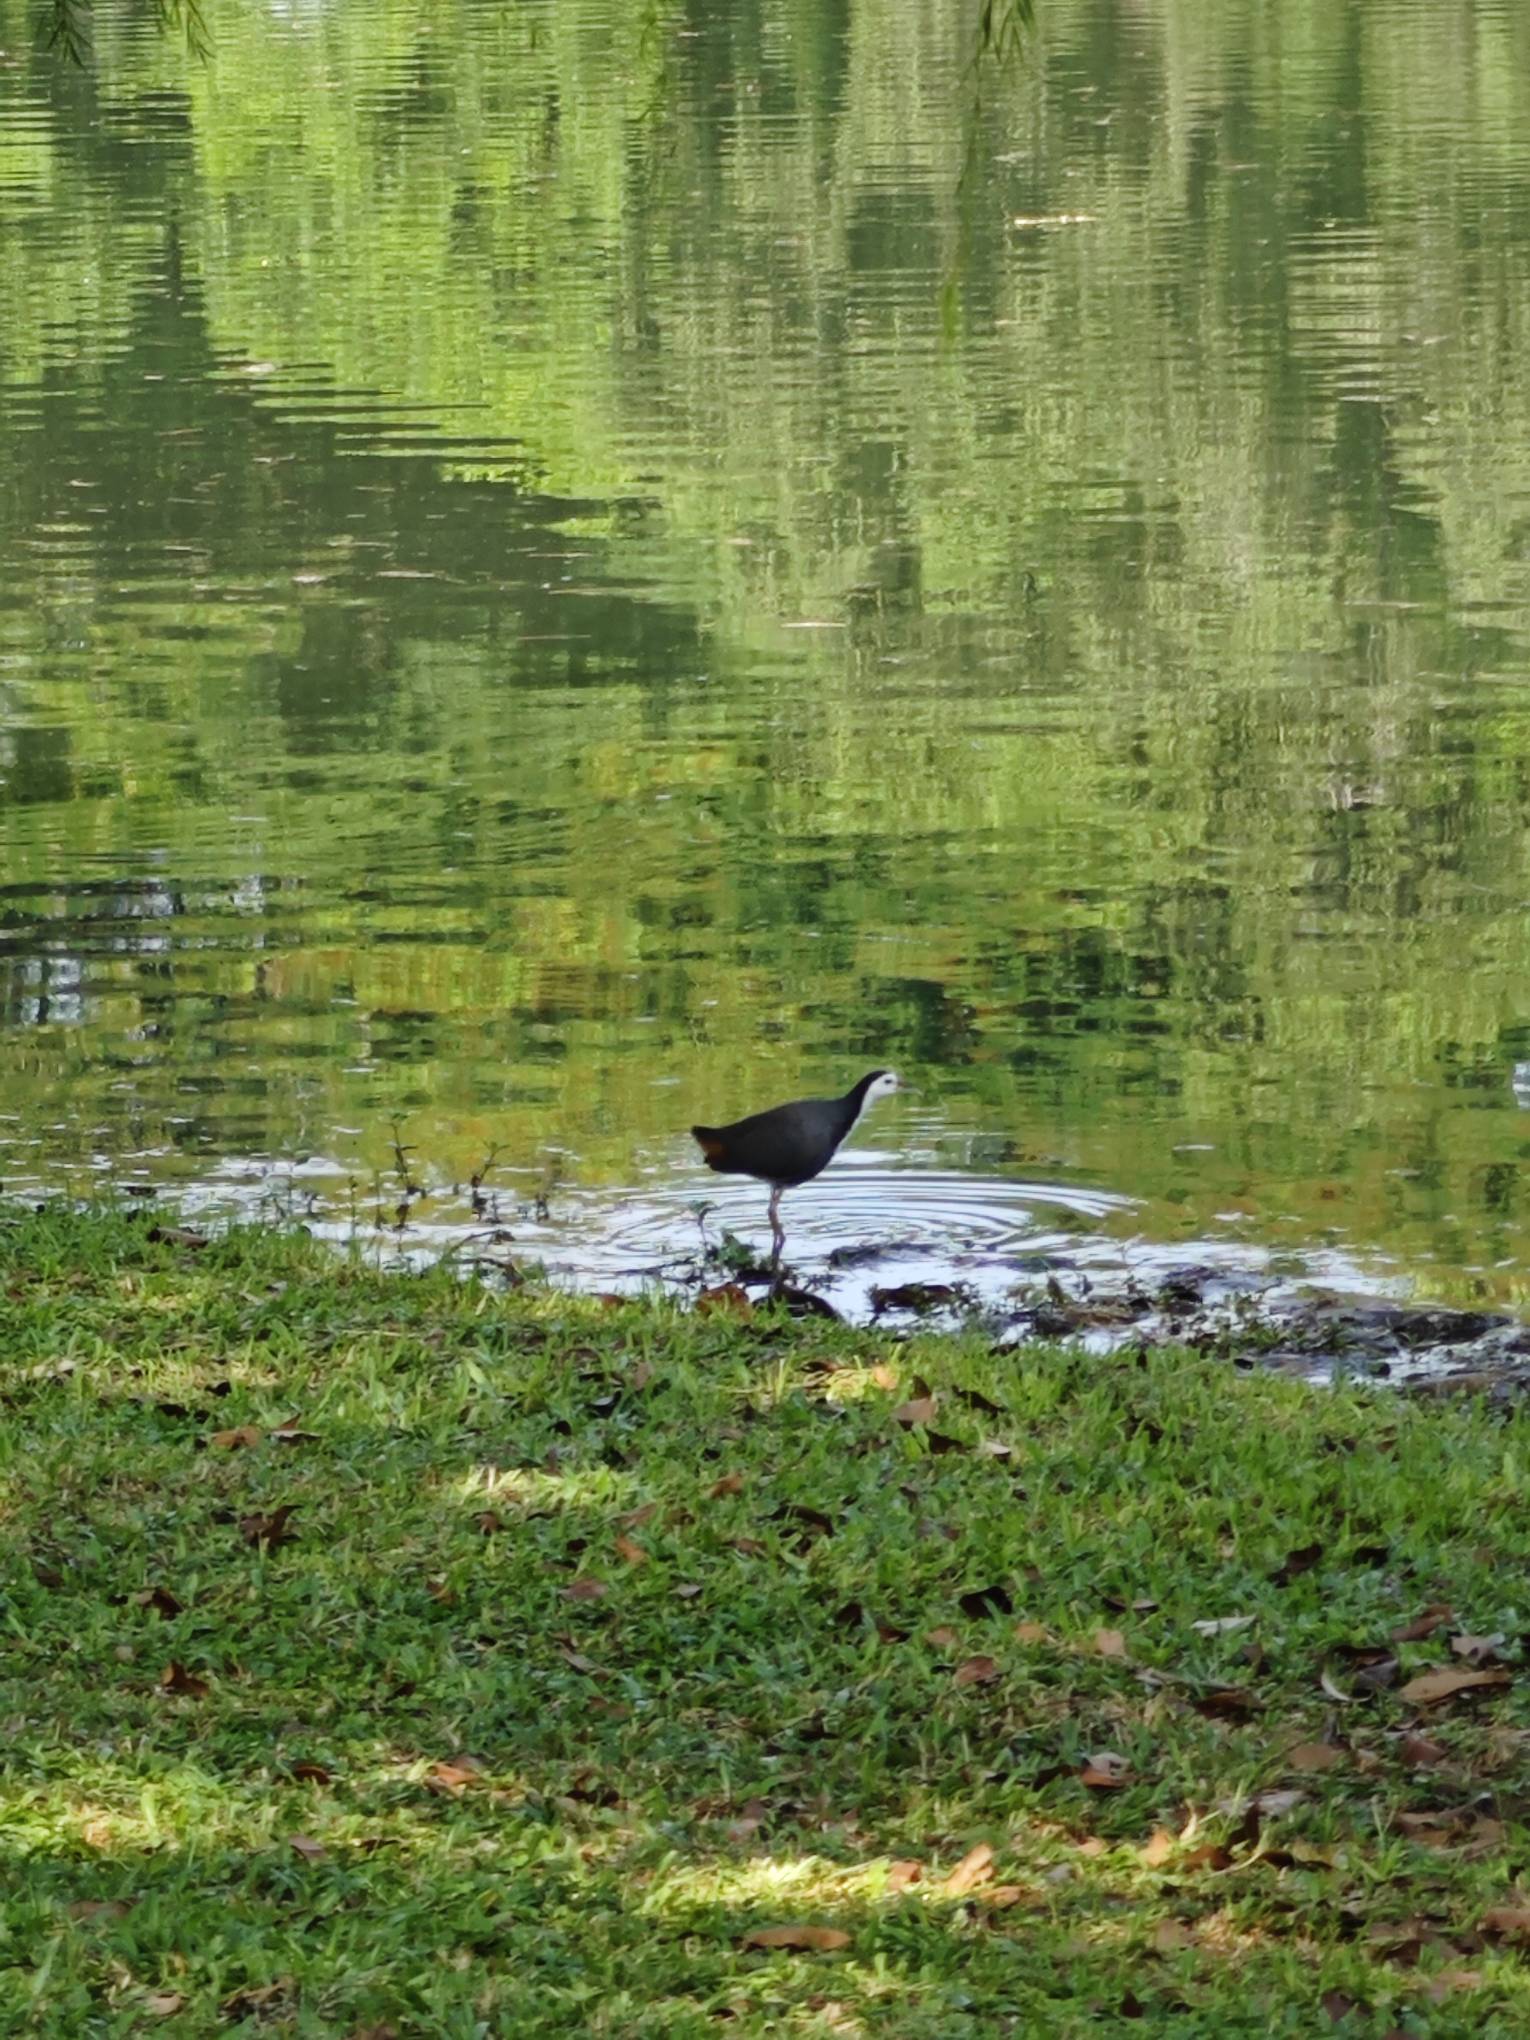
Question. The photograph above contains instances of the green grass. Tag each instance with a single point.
(222, 1810)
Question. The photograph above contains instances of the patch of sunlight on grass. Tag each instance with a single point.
(534, 1487)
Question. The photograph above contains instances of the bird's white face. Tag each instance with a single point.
(882, 1086)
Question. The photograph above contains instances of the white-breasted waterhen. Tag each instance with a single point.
(790, 1144)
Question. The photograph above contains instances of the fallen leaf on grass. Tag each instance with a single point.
(584, 1588)
(270, 1530)
(943, 1638)
(1511, 1922)
(312, 1774)
(1315, 1756)
(1227, 1703)
(1445, 1982)
(451, 1780)
(730, 1484)
(1429, 1688)
(980, 1601)
(1221, 1625)
(176, 1236)
(1031, 1632)
(726, 1300)
(919, 1411)
(1106, 1770)
(99, 1909)
(1422, 1627)
(160, 1599)
(633, 1553)
(176, 1679)
(634, 1519)
(164, 2004)
(241, 1437)
(1109, 1643)
(1338, 2004)
(1169, 1936)
(1000, 1897)
(1477, 1650)
(975, 1671)
(308, 1848)
(1420, 1750)
(688, 1591)
(821, 1939)
(975, 1868)
(1295, 1563)
(810, 1523)
(902, 1872)
(290, 1434)
(1158, 1848)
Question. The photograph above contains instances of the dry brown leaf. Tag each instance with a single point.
(975, 1671)
(451, 1780)
(975, 1868)
(1420, 1750)
(1109, 1643)
(919, 1411)
(160, 1599)
(1169, 1936)
(636, 1518)
(290, 1434)
(726, 1300)
(943, 1638)
(730, 1484)
(241, 1437)
(584, 1588)
(1512, 1922)
(1106, 1770)
(312, 1774)
(163, 2004)
(1445, 1982)
(1221, 1625)
(1423, 1626)
(99, 1909)
(1030, 1632)
(270, 1530)
(176, 1679)
(902, 1872)
(1158, 1848)
(633, 1553)
(1315, 1756)
(821, 1939)
(1429, 1688)
(307, 1847)
(1000, 1897)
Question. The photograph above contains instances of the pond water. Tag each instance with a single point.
(569, 569)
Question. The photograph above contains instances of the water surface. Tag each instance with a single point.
(565, 570)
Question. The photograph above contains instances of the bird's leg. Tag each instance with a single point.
(777, 1236)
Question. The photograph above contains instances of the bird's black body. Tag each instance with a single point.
(789, 1144)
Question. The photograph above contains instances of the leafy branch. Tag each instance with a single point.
(67, 26)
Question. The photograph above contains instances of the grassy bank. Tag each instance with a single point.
(388, 1655)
